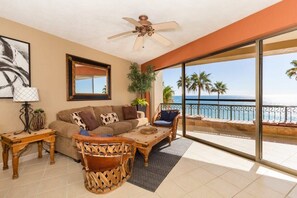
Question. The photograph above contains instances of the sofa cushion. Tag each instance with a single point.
(89, 120)
(162, 123)
(138, 122)
(109, 118)
(120, 127)
(130, 112)
(102, 130)
(101, 110)
(119, 111)
(77, 119)
(65, 115)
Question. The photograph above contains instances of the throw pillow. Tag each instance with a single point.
(165, 115)
(130, 112)
(84, 132)
(108, 118)
(89, 119)
(77, 120)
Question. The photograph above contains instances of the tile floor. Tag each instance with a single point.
(203, 171)
(284, 154)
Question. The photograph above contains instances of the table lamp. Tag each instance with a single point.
(26, 95)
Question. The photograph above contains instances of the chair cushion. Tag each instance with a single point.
(163, 123)
(129, 112)
(172, 115)
(89, 119)
(165, 115)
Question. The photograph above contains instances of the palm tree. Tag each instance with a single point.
(220, 88)
(180, 82)
(200, 82)
(168, 93)
(292, 71)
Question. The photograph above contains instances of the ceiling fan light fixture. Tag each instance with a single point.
(144, 27)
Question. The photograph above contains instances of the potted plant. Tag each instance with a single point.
(141, 82)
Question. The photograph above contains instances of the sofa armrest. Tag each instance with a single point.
(64, 129)
(140, 114)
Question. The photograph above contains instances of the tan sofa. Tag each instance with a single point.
(65, 127)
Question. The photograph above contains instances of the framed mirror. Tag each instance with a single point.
(87, 79)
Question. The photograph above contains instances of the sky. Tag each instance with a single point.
(239, 76)
(85, 86)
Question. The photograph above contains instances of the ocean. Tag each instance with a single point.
(286, 100)
(275, 108)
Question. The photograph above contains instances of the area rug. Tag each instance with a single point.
(161, 161)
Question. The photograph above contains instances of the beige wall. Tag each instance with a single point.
(48, 74)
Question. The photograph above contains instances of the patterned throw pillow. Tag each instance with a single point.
(108, 118)
(77, 120)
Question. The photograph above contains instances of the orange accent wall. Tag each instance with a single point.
(273, 19)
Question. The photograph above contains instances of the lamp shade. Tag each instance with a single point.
(25, 94)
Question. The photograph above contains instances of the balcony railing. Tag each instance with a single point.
(270, 113)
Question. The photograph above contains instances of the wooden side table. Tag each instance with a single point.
(17, 143)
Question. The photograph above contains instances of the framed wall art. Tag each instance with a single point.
(14, 65)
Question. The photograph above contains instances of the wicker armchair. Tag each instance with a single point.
(171, 123)
(107, 161)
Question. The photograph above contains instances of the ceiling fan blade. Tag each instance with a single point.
(165, 25)
(133, 21)
(138, 43)
(161, 39)
(121, 34)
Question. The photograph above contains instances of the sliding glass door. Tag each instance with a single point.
(280, 100)
(220, 99)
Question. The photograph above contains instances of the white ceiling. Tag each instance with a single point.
(90, 22)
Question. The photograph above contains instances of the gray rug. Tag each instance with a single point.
(161, 161)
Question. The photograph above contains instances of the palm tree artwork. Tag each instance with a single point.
(200, 82)
(292, 71)
(220, 88)
(168, 93)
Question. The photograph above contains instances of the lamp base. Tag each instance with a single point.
(26, 113)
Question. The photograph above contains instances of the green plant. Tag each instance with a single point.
(141, 82)
(292, 71)
(38, 110)
(168, 93)
(140, 102)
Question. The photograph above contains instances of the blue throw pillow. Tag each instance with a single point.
(165, 115)
(84, 132)
(172, 115)
(105, 135)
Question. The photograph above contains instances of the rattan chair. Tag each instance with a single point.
(107, 161)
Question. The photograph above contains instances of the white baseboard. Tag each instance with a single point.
(25, 158)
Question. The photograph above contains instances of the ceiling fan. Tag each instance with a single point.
(143, 27)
